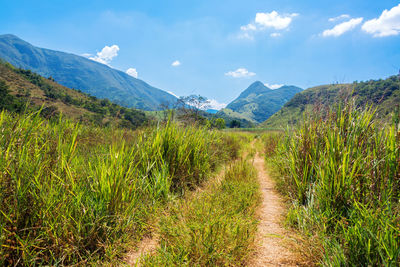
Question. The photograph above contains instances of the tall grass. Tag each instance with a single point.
(216, 227)
(342, 172)
(70, 192)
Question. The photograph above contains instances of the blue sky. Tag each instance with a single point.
(218, 48)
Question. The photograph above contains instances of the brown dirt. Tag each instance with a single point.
(146, 246)
(273, 240)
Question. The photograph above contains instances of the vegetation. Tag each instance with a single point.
(214, 228)
(25, 89)
(381, 94)
(8, 101)
(342, 172)
(229, 116)
(74, 194)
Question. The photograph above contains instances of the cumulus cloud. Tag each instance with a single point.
(263, 21)
(214, 104)
(132, 72)
(342, 28)
(176, 63)
(344, 16)
(387, 24)
(240, 73)
(106, 54)
(273, 86)
(274, 20)
(86, 55)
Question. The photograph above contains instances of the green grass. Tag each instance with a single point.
(215, 227)
(341, 170)
(74, 194)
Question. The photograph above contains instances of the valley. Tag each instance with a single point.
(263, 133)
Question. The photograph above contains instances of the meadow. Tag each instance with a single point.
(80, 194)
(340, 170)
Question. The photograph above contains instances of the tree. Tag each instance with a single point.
(191, 107)
(8, 101)
(234, 124)
(218, 123)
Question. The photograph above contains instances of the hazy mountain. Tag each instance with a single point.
(384, 95)
(84, 74)
(258, 102)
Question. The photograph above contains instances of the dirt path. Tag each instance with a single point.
(147, 245)
(272, 239)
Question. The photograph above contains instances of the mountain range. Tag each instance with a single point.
(84, 74)
(258, 102)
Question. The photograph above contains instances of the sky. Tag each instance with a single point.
(218, 48)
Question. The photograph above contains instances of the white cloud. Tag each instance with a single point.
(106, 54)
(240, 73)
(214, 104)
(275, 34)
(248, 27)
(344, 16)
(273, 86)
(176, 63)
(86, 55)
(132, 72)
(274, 20)
(171, 93)
(263, 21)
(342, 28)
(387, 24)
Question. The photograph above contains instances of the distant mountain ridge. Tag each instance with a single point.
(258, 102)
(84, 74)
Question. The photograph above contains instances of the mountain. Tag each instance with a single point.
(258, 102)
(84, 74)
(384, 95)
(21, 88)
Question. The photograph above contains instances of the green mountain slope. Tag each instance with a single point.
(382, 94)
(19, 88)
(79, 72)
(258, 102)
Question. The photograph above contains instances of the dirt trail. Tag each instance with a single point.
(147, 245)
(272, 239)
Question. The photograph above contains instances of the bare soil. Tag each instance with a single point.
(147, 245)
(274, 243)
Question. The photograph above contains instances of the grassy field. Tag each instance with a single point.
(341, 172)
(213, 227)
(75, 194)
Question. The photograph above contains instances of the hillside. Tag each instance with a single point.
(382, 94)
(87, 75)
(19, 87)
(258, 102)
